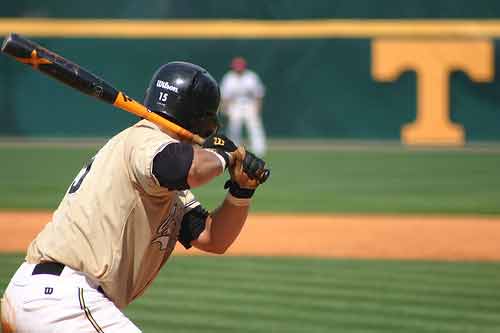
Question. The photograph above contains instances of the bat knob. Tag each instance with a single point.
(264, 175)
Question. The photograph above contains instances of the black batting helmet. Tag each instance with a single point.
(185, 94)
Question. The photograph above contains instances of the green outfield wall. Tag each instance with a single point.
(317, 86)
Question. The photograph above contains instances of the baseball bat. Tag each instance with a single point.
(60, 68)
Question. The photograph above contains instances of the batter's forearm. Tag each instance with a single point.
(205, 166)
(222, 228)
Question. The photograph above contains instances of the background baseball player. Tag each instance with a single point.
(124, 212)
(242, 92)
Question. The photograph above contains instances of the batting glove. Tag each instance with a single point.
(221, 145)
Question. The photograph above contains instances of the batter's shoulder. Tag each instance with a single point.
(145, 130)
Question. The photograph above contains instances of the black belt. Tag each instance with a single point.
(53, 268)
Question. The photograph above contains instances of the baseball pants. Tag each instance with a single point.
(247, 115)
(39, 300)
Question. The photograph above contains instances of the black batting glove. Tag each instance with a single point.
(246, 175)
(253, 166)
(219, 141)
(220, 144)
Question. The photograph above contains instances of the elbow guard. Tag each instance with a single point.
(193, 224)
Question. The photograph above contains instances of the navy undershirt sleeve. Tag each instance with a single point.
(171, 165)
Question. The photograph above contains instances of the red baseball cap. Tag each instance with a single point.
(239, 64)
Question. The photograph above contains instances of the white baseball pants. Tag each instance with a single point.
(247, 115)
(69, 302)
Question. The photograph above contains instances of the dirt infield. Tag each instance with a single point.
(340, 236)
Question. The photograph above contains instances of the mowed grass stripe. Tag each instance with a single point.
(332, 304)
(323, 287)
(458, 297)
(234, 315)
(262, 291)
(421, 280)
(176, 321)
(362, 315)
(179, 301)
(306, 275)
(341, 266)
(369, 181)
(340, 302)
(337, 181)
(429, 281)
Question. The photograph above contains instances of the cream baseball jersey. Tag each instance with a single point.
(116, 223)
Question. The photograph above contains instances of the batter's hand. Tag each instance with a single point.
(254, 167)
(246, 168)
(245, 173)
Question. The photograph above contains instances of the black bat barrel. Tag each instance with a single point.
(58, 67)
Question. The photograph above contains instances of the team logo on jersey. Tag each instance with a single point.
(164, 232)
(162, 241)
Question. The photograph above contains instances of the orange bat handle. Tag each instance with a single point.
(128, 104)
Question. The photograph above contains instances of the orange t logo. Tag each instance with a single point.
(433, 60)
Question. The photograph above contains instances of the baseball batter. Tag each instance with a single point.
(122, 215)
(242, 93)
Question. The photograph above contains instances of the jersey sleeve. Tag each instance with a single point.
(144, 144)
(171, 165)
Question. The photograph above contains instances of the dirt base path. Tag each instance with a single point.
(341, 236)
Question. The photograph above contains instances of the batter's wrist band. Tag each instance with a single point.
(222, 156)
(240, 202)
(239, 192)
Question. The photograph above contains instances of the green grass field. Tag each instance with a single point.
(227, 294)
(245, 294)
(371, 181)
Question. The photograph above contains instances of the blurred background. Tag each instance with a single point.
(334, 114)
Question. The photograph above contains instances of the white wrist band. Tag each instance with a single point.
(221, 159)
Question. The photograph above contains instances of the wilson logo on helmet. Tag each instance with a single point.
(166, 85)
